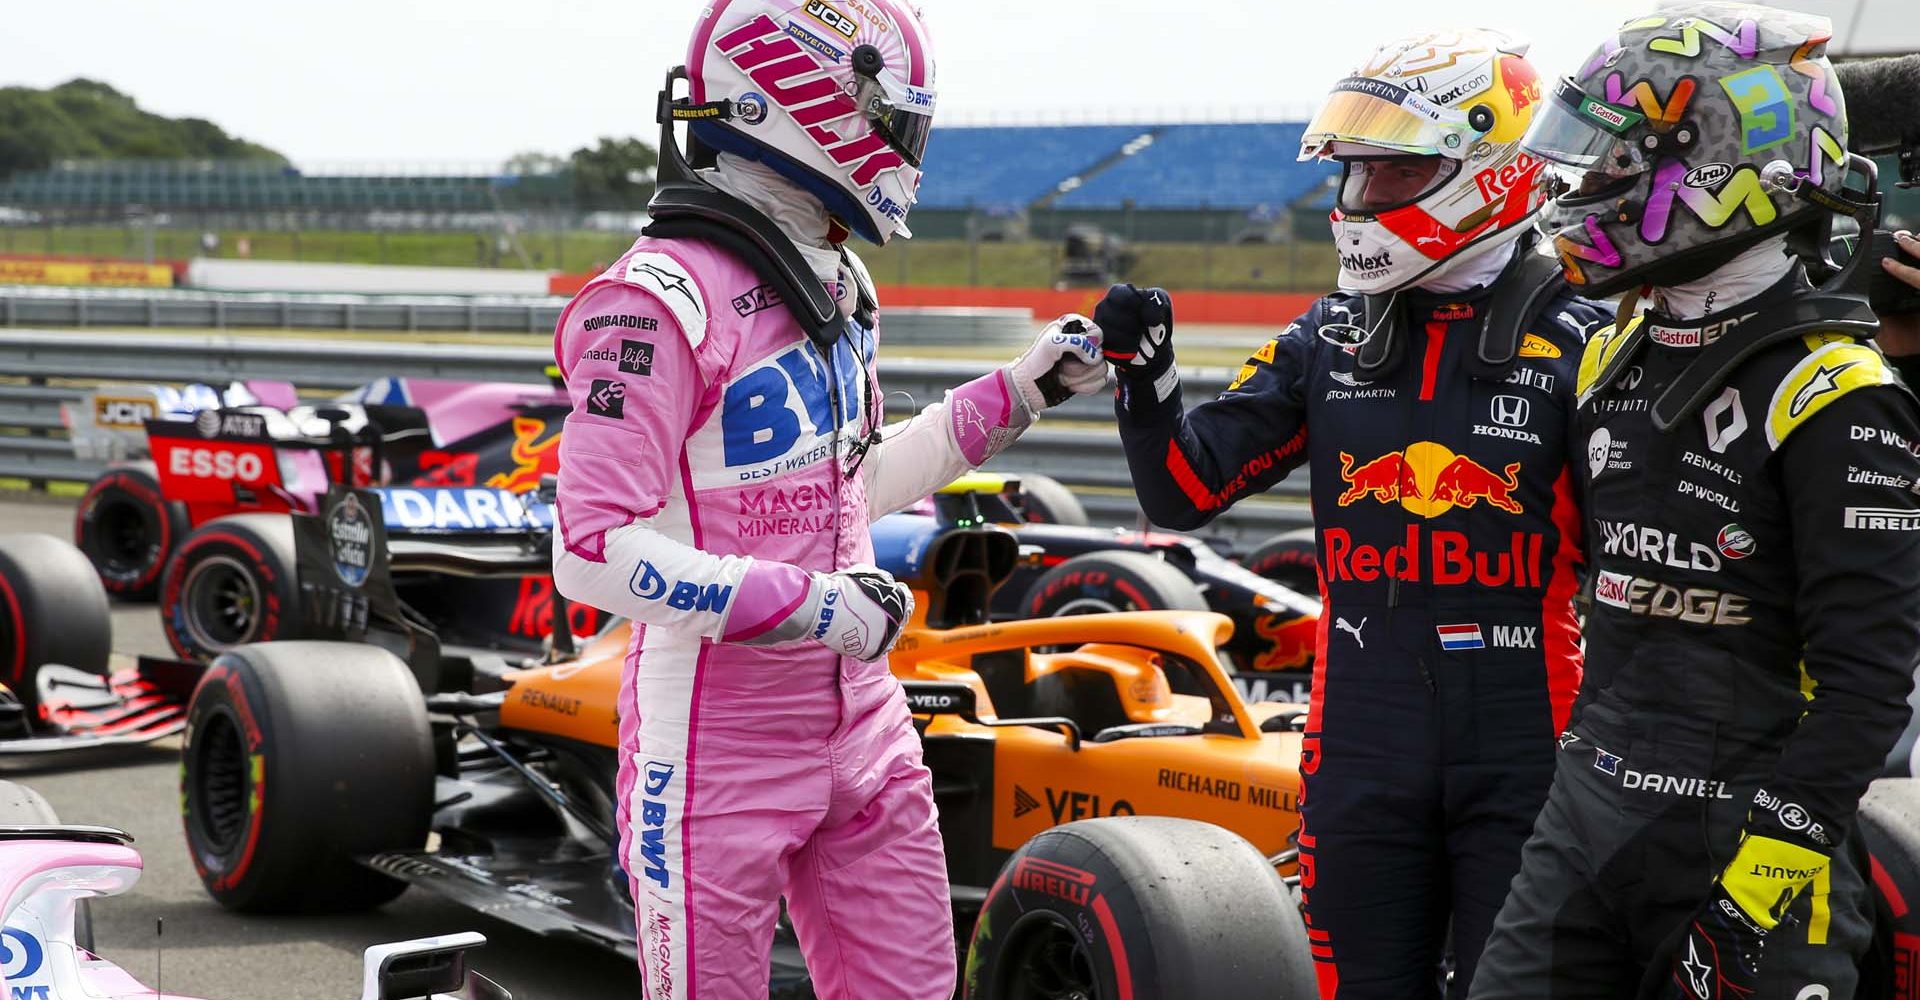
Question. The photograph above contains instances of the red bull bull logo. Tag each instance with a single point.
(532, 457)
(1428, 479)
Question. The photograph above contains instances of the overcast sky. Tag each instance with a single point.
(468, 83)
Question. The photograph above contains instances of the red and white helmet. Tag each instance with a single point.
(1458, 100)
(836, 95)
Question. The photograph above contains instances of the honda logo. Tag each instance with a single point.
(1511, 411)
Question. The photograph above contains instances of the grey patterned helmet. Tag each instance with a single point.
(1666, 139)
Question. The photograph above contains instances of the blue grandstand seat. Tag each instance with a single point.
(1207, 166)
(1002, 167)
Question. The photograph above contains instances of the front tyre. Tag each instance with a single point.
(52, 610)
(299, 758)
(1146, 907)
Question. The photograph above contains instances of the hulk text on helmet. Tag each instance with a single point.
(1681, 142)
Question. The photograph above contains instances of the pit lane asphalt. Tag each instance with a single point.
(205, 951)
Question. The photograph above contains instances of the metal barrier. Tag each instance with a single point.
(160, 308)
(1075, 444)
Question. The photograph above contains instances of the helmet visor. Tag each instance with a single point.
(1377, 113)
(900, 113)
(1584, 141)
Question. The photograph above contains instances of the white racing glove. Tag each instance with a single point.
(857, 612)
(1063, 362)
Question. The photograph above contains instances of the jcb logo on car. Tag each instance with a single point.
(216, 463)
(117, 411)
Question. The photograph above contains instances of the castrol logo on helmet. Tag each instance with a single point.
(791, 76)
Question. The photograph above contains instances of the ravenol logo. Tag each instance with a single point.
(1428, 479)
(648, 585)
(655, 777)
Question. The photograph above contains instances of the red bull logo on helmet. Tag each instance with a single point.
(1428, 479)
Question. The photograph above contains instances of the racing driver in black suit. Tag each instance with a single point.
(1438, 387)
(1756, 543)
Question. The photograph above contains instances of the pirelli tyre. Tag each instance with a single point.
(128, 528)
(300, 757)
(52, 610)
(1146, 907)
(1888, 829)
(1045, 500)
(1100, 582)
(230, 583)
(1288, 560)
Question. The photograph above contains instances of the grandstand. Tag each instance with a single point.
(78, 190)
(1147, 182)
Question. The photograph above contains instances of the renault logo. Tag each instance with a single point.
(1511, 411)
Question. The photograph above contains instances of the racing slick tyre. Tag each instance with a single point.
(299, 758)
(230, 583)
(128, 528)
(1045, 500)
(22, 806)
(1889, 833)
(1146, 907)
(1099, 582)
(52, 610)
(1288, 560)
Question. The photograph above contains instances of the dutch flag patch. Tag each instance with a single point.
(1456, 637)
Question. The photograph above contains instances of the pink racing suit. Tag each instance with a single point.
(699, 489)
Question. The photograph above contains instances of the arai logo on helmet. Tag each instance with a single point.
(1708, 175)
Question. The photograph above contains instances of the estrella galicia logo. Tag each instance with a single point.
(608, 398)
(636, 357)
(350, 539)
(656, 776)
(21, 956)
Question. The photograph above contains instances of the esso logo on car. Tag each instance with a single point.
(216, 463)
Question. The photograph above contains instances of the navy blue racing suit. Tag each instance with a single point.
(1448, 656)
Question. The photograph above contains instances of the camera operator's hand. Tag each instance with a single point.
(1900, 335)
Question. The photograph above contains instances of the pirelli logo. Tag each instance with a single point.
(1882, 519)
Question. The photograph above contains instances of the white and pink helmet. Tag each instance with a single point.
(837, 95)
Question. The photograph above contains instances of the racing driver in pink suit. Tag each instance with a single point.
(718, 474)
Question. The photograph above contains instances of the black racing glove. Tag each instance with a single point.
(1716, 954)
(1136, 335)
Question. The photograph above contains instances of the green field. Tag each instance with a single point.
(1278, 267)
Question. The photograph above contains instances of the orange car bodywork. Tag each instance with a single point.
(1234, 775)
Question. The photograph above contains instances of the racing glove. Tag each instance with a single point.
(1137, 337)
(988, 413)
(1782, 852)
(857, 612)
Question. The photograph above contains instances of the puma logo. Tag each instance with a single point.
(1343, 625)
